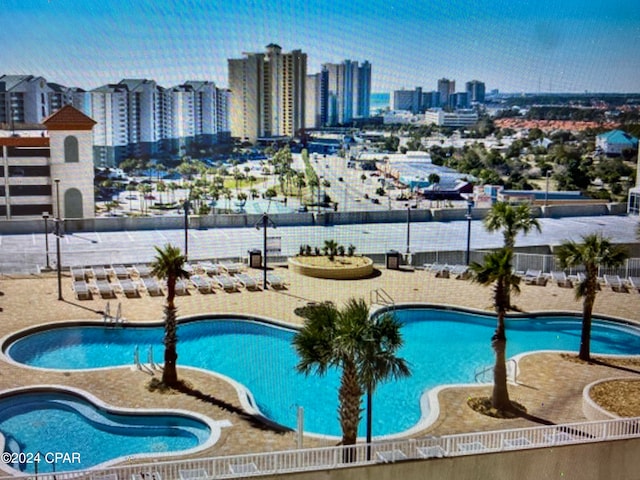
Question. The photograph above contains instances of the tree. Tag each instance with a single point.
(330, 249)
(511, 220)
(496, 269)
(595, 251)
(363, 349)
(168, 264)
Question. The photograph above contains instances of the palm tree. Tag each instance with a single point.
(379, 362)
(594, 251)
(496, 270)
(511, 220)
(330, 249)
(364, 350)
(168, 264)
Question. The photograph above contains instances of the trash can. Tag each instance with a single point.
(393, 260)
(255, 259)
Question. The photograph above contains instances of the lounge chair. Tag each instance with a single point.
(435, 451)
(210, 268)
(81, 289)
(146, 476)
(142, 270)
(225, 282)
(243, 468)
(439, 270)
(202, 284)
(99, 272)
(534, 277)
(105, 289)
(181, 287)
(634, 283)
(120, 271)
(561, 279)
(105, 476)
(151, 286)
(390, 456)
(232, 268)
(78, 273)
(615, 283)
(247, 281)
(459, 272)
(194, 474)
(128, 288)
(275, 281)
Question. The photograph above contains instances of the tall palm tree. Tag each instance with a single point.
(594, 251)
(511, 220)
(364, 350)
(496, 269)
(168, 264)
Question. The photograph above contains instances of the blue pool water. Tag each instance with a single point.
(441, 346)
(262, 206)
(50, 422)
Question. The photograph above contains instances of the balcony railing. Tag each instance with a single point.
(240, 466)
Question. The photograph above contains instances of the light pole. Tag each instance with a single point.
(45, 216)
(469, 216)
(186, 229)
(59, 233)
(264, 223)
(408, 254)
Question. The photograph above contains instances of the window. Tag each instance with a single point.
(71, 154)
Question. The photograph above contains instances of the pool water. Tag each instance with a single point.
(441, 347)
(52, 422)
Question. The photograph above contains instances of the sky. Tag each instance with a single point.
(511, 45)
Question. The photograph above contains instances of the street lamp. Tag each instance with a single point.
(186, 229)
(264, 223)
(45, 216)
(408, 254)
(59, 233)
(469, 217)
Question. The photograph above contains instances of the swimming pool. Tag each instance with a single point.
(37, 424)
(441, 346)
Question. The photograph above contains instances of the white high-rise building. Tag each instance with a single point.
(267, 93)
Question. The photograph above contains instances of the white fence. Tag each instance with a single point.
(240, 466)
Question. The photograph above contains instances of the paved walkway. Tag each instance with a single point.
(549, 386)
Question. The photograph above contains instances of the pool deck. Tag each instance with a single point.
(549, 386)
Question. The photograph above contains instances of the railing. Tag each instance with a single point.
(512, 372)
(380, 297)
(240, 466)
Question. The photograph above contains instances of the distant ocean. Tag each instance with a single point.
(379, 101)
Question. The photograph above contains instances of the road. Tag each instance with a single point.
(27, 253)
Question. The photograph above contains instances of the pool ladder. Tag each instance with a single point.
(512, 372)
(109, 319)
(150, 365)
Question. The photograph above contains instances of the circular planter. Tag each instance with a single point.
(591, 409)
(340, 269)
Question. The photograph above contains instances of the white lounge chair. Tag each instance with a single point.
(128, 288)
(151, 286)
(232, 268)
(99, 272)
(194, 474)
(78, 273)
(561, 279)
(247, 281)
(275, 281)
(181, 287)
(120, 271)
(435, 451)
(439, 270)
(81, 289)
(142, 270)
(615, 283)
(146, 476)
(459, 272)
(202, 284)
(243, 468)
(210, 268)
(225, 282)
(634, 283)
(105, 289)
(390, 456)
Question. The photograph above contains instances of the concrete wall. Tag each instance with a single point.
(617, 460)
(102, 224)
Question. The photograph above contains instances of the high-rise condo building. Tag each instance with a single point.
(475, 91)
(410, 100)
(341, 92)
(267, 93)
(446, 88)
